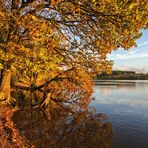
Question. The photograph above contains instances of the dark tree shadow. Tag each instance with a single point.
(82, 129)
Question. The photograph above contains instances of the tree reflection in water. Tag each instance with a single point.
(67, 129)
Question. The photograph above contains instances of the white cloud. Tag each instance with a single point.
(144, 43)
(130, 68)
(131, 53)
(134, 53)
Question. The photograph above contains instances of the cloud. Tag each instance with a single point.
(141, 44)
(131, 68)
(131, 53)
(135, 56)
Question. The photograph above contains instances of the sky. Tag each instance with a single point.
(134, 59)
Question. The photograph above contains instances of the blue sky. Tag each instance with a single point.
(133, 59)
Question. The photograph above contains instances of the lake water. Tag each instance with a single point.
(126, 104)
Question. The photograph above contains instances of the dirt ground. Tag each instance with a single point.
(10, 136)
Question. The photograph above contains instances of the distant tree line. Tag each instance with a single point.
(127, 75)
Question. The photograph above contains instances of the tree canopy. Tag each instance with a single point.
(63, 44)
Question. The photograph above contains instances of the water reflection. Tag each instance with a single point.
(127, 108)
(82, 129)
(130, 95)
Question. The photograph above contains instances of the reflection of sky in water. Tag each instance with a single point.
(127, 108)
(136, 95)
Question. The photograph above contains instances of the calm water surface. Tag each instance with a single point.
(126, 104)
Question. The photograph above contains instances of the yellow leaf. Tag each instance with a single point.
(34, 18)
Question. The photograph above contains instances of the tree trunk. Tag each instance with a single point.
(5, 88)
(1, 73)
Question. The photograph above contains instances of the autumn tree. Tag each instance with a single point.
(63, 43)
